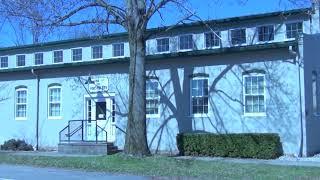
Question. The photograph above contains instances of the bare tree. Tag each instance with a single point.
(132, 15)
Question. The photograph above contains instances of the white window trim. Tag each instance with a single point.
(34, 58)
(72, 54)
(153, 116)
(25, 60)
(230, 37)
(164, 52)
(291, 22)
(255, 114)
(193, 42)
(8, 62)
(112, 53)
(15, 103)
(274, 33)
(62, 56)
(55, 117)
(198, 115)
(205, 44)
(92, 52)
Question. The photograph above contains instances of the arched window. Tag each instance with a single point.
(254, 93)
(21, 103)
(314, 91)
(54, 101)
(199, 95)
(152, 98)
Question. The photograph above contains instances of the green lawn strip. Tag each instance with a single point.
(165, 166)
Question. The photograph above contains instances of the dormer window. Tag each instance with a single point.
(77, 54)
(266, 33)
(186, 42)
(118, 49)
(96, 52)
(3, 62)
(38, 58)
(163, 45)
(21, 60)
(293, 29)
(238, 36)
(212, 39)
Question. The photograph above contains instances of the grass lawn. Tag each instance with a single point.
(165, 166)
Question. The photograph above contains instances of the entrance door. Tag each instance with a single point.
(101, 110)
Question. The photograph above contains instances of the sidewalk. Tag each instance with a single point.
(45, 153)
(282, 161)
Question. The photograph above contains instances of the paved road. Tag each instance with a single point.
(13, 172)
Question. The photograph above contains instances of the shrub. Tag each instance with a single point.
(259, 146)
(16, 145)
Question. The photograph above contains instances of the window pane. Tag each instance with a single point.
(212, 39)
(152, 95)
(38, 58)
(238, 36)
(76, 54)
(97, 52)
(186, 42)
(118, 49)
(54, 101)
(199, 92)
(4, 62)
(57, 56)
(294, 29)
(163, 45)
(254, 93)
(266, 33)
(21, 60)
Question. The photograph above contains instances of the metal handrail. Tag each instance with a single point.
(120, 129)
(81, 127)
(74, 131)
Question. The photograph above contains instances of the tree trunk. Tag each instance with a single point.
(136, 137)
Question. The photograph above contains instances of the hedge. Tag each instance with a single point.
(258, 146)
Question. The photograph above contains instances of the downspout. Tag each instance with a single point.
(37, 120)
(297, 59)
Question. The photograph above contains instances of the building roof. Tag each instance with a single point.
(207, 52)
(154, 30)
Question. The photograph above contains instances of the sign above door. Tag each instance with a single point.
(100, 84)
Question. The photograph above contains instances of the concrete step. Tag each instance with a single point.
(89, 148)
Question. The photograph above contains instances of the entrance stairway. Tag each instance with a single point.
(73, 140)
(88, 148)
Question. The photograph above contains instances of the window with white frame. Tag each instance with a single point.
(163, 45)
(21, 60)
(212, 39)
(238, 36)
(118, 49)
(266, 33)
(38, 58)
(186, 42)
(3, 62)
(199, 95)
(54, 101)
(293, 29)
(315, 93)
(77, 54)
(152, 97)
(254, 94)
(21, 103)
(57, 56)
(96, 52)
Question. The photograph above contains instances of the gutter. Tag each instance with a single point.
(38, 97)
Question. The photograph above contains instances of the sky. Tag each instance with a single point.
(206, 9)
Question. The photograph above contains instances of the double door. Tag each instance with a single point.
(100, 115)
